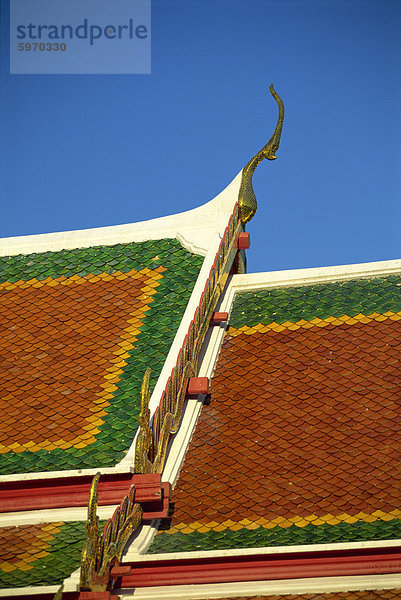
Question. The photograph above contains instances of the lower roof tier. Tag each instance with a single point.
(300, 444)
(79, 328)
(43, 554)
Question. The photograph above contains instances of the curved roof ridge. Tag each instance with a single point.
(194, 228)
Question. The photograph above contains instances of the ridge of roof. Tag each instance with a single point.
(194, 229)
(290, 277)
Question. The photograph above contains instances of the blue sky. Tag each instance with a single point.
(82, 151)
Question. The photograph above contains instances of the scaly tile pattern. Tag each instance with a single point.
(78, 330)
(301, 441)
(351, 595)
(45, 554)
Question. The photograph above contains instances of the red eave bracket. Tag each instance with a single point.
(218, 318)
(158, 509)
(244, 241)
(120, 571)
(198, 386)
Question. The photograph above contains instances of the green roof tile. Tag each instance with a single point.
(277, 536)
(324, 300)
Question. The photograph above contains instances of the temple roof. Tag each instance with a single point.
(300, 443)
(298, 446)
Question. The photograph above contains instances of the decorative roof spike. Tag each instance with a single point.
(246, 197)
(90, 551)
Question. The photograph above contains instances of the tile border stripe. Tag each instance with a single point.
(303, 324)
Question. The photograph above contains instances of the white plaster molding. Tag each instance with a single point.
(294, 277)
(29, 591)
(213, 591)
(207, 554)
(172, 356)
(194, 228)
(49, 515)
(179, 338)
(180, 443)
(71, 584)
(72, 473)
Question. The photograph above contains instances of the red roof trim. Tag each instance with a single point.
(370, 561)
(74, 491)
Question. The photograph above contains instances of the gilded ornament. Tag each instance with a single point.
(144, 441)
(90, 550)
(102, 551)
(246, 196)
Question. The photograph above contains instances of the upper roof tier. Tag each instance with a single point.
(83, 315)
(79, 329)
(300, 443)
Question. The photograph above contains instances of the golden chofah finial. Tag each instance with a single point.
(246, 196)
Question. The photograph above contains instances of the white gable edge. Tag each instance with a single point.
(194, 228)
